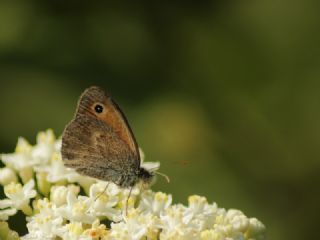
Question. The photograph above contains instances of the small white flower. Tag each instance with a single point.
(21, 158)
(80, 231)
(255, 230)
(104, 203)
(58, 194)
(135, 227)
(45, 224)
(173, 226)
(238, 220)
(97, 231)
(234, 224)
(77, 209)
(7, 175)
(42, 152)
(154, 202)
(71, 231)
(19, 196)
(199, 212)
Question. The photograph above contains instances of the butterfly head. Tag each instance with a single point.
(145, 176)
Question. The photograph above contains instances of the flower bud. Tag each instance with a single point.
(43, 184)
(7, 175)
(26, 174)
(6, 233)
(59, 193)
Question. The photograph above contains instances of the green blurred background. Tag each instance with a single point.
(224, 93)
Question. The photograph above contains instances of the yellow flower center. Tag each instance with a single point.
(104, 198)
(43, 203)
(43, 220)
(79, 207)
(161, 197)
(75, 228)
(195, 199)
(12, 188)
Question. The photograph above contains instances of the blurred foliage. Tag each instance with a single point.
(224, 93)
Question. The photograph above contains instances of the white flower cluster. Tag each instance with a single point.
(61, 204)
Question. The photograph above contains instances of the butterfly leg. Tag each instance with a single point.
(127, 202)
(102, 192)
(96, 198)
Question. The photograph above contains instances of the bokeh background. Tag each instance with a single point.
(226, 94)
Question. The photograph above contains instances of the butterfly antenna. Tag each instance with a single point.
(163, 175)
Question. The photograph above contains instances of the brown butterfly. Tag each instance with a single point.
(99, 142)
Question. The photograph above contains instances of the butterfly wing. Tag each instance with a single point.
(100, 145)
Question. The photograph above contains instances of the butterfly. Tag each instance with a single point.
(99, 142)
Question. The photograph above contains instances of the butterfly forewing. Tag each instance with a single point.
(100, 145)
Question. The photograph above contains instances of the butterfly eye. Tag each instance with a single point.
(98, 108)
